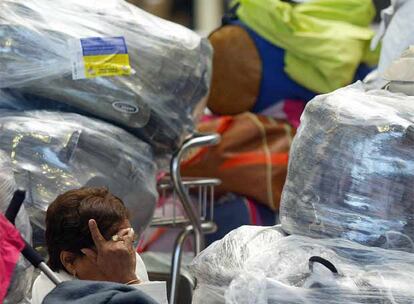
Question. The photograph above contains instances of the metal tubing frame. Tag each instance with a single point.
(176, 258)
(49, 273)
(198, 140)
(196, 227)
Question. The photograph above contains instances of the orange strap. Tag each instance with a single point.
(224, 124)
(255, 158)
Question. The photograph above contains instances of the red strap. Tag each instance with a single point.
(252, 212)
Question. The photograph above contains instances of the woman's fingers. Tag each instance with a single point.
(123, 232)
(128, 238)
(116, 258)
(97, 237)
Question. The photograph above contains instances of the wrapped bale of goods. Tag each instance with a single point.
(55, 152)
(19, 288)
(106, 59)
(300, 270)
(224, 260)
(350, 171)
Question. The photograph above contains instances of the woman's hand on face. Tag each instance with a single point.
(115, 259)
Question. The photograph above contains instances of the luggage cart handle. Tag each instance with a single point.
(15, 205)
(28, 252)
(197, 140)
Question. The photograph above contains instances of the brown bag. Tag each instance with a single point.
(237, 71)
(250, 160)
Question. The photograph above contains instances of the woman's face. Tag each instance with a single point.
(85, 268)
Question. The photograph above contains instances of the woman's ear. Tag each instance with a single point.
(68, 261)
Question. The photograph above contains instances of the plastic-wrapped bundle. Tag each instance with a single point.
(172, 65)
(54, 152)
(302, 270)
(351, 171)
(225, 259)
(20, 284)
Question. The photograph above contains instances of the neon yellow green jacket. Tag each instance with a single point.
(325, 40)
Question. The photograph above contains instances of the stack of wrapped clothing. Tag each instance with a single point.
(348, 193)
(106, 59)
(55, 152)
(95, 93)
(350, 170)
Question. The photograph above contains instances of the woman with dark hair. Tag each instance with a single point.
(89, 237)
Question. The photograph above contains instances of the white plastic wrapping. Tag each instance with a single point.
(172, 65)
(20, 284)
(395, 32)
(280, 272)
(401, 69)
(224, 260)
(55, 152)
(400, 73)
(351, 169)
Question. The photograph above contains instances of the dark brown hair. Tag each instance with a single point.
(67, 221)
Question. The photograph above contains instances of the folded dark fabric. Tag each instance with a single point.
(87, 292)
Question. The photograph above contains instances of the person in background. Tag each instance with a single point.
(89, 237)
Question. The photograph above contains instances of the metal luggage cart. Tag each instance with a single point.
(198, 213)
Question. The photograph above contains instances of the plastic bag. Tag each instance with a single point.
(400, 74)
(297, 269)
(170, 65)
(351, 171)
(55, 152)
(223, 260)
(395, 32)
(401, 69)
(20, 284)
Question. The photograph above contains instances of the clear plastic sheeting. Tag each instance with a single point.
(395, 32)
(171, 66)
(302, 270)
(20, 284)
(55, 152)
(351, 169)
(401, 69)
(401, 74)
(225, 259)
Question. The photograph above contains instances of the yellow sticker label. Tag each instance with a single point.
(100, 57)
(107, 65)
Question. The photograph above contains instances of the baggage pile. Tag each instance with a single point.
(348, 193)
(95, 93)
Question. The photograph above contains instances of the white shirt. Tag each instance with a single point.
(157, 290)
